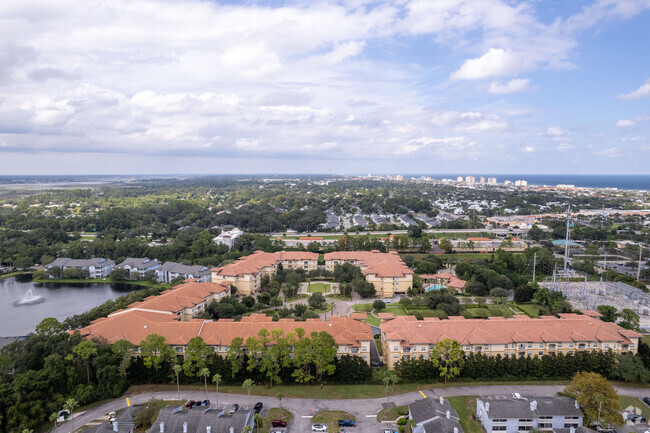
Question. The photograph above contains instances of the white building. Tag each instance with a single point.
(228, 238)
(492, 180)
(470, 180)
(482, 180)
(96, 267)
(459, 179)
(139, 266)
(521, 183)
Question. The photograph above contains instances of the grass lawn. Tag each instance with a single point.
(392, 413)
(478, 312)
(531, 309)
(318, 288)
(397, 310)
(331, 418)
(100, 280)
(12, 274)
(273, 413)
(466, 406)
(341, 297)
(373, 320)
(331, 391)
(364, 308)
(296, 298)
(626, 401)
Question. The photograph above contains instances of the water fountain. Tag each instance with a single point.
(30, 299)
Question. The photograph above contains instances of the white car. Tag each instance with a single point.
(318, 427)
(516, 395)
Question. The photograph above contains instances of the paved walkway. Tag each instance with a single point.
(302, 409)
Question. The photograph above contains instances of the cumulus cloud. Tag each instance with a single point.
(471, 121)
(554, 131)
(633, 139)
(624, 123)
(495, 63)
(640, 93)
(513, 86)
(528, 149)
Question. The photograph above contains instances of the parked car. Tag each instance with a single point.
(234, 408)
(646, 400)
(278, 423)
(516, 395)
(205, 403)
(389, 431)
(318, 427)
(258, 407)
(62, 415)
(189, 403)
(277, 431)
(347, 423)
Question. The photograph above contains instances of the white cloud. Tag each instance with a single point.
(610, 152)
(633, 139)
(554, 131)
(471, 121)
(528, 149)
(495, 63)
(640, 93)
(564, 146)
(513, 86)
(625, 122)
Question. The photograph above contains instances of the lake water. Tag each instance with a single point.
(59, 300)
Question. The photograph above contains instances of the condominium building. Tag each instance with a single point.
(405, 337)
(139, 266)
(228, 238)
(170, 270)
(459, 179)
(517, 414)
(386, 271)
(482, 181)
(492, 180)
(434, 415)
(96, 267)
(247, 272)
(353, 337)
(521, 183)
(470, 180)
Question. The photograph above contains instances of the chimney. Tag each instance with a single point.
(185, 427)
(576, 403)
(442, 400)
(116, 426)
(487, 407)
(533, 405)
(162, 427)
(208, 429)
(448, 414)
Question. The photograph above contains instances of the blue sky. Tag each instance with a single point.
(354, 86)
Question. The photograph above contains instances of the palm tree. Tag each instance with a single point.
(217, 380)
(247, 385)
(53, 417)
(177, 369)
(390, 378)
(279, 396)
(69, 405)
(600, 399)
(205, 372)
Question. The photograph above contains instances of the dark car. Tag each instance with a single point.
(347, 423)
(234, 408)
(278, 423)
(258, 407)
(646, 400)
(205, 403)
(190, 403)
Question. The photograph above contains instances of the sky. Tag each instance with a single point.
(331, 87)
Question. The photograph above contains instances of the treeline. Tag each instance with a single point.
(478, 366)
(40, 374)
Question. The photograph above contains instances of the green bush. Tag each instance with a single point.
(401, 421)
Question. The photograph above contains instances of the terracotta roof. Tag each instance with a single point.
(450, 279)
(180, 297)
(345, 330)
(385, 316)
(310, 238)
(567, 328)
(359, 316)
(259, 260)
(374, 262)
(478, 239)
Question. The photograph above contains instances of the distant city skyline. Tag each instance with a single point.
(347, 87)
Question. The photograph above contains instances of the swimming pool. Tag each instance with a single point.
(434, 287)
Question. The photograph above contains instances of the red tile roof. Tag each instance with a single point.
(567, 328)
(259, 260)
(180, 297)
(374, 262)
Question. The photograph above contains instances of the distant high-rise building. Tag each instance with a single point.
(399, 177)
(492, 180)
(507, 182)
(521, 183)
(459, 179)
(482, 180)
(470, 180)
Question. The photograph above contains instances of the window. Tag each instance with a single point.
(559, 344)
(486, 347)
(522, 420)
(530, 345)
(541, 352)
(499, 420)
(525, 427)
(541, 345)
(570, 344)
(395, 356)
(506, 346)
(530, 353)
(424, 348)
(499, 428)
(569, 425)
(606, 346)
(364, 356)
(395, 348)
(468, 347)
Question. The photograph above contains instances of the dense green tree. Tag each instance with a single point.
(585, 387)
(448, 357)
(609, 313)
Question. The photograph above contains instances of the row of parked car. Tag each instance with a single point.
(233, 409)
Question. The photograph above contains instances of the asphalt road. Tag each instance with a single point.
(302, 409)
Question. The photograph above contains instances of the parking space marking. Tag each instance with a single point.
(371, 416)
(423, 394)
(306, 416)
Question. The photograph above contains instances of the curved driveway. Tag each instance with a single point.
(302, 409)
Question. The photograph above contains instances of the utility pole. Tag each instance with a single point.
(534, 264)
(638, 271)
(566, 241)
